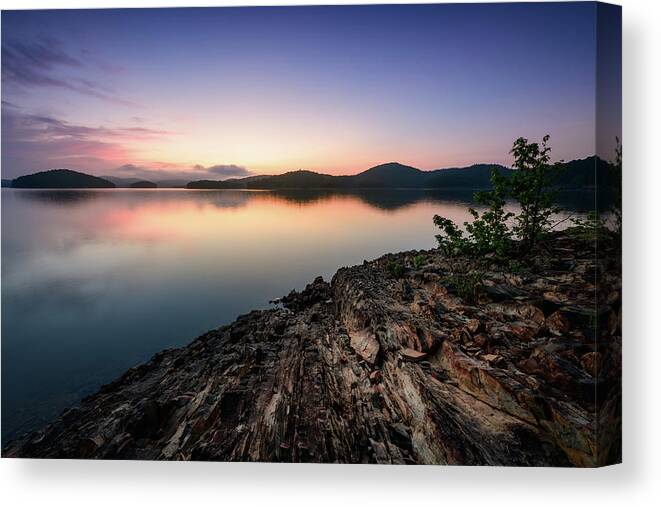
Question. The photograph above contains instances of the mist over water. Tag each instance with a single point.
(96, 281)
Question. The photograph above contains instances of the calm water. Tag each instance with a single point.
(96, 281)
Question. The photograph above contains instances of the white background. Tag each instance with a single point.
(636, 482)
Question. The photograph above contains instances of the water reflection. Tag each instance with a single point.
(59, 197)
(97, 281)
(574, 200)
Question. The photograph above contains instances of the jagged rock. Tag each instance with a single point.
(591, 362)
(491, 358)
(412, 355)
(558, 324)
(365, 345)
(371, 369)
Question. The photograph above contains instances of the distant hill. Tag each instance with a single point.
(578, 174)
(298, 179)
(586, 173)
(6, 183)
(474, 176)
(144, 184)
(171, 183)
(61, 178)
(574, 175)
(121, 182)
(232, 183)
(128, 182)
(391, 174)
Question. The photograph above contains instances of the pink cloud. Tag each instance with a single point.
(35, 142)
(32, 142)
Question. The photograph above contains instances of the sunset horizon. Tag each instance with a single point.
(204, 93)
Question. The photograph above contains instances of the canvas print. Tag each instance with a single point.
(377, 234)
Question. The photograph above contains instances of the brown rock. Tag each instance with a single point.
(481, 340)
(522, 331)
(591, 362)
(558, 324)
(365, 345)
(473, 325)
(491, 358)
(412, 355)
(529, 365)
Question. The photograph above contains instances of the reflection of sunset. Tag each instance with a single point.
(259, 215)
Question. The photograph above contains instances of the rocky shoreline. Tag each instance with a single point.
(409, 359)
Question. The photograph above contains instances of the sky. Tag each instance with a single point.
(229, 92)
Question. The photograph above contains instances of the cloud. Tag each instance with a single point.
(166, 171)
(221, 171)
(42, 54)
(51, 126)
(32, 142)
(46, 127)
(45, 63)
(150, 173)
(35, 142)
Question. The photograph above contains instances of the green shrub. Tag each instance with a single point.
(489, 232)
(418, 261)
(529, 185)
(515, 266)
(451, 240)
(589, 228)
(467, 285)
(395, 269)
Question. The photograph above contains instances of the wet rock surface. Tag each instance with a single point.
(520, 368)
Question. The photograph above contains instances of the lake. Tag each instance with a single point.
(96, 281)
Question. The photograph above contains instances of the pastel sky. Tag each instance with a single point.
(227, 92)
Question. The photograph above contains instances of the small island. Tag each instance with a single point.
(61, 178)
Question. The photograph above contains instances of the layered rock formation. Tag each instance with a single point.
(453, 362)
